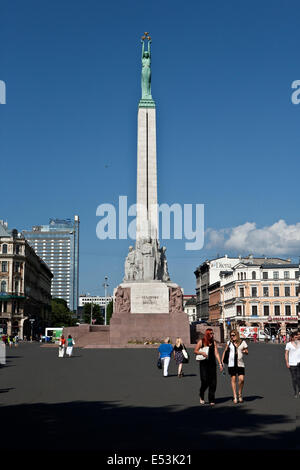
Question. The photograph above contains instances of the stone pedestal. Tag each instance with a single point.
(148, 311)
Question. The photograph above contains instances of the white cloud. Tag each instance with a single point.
(277, 239)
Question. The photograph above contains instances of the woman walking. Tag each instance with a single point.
(178, 355)
(236, 367)
(164, 352)
(292, 359)
(208, 366)
(70, 344)
(61, 349)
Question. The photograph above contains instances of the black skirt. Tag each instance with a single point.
(236, 371)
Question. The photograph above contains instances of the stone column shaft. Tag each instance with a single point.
(146, 221)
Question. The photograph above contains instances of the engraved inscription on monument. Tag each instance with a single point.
(149, 298)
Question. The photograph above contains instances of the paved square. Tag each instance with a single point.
(117, 400)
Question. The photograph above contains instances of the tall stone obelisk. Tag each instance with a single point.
(147, 225)
(147, 305)
(147, 261)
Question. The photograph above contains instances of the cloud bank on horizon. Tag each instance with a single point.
(277, 239)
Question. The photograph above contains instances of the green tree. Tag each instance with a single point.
(96, 314)
(61, 314)
(109, 311)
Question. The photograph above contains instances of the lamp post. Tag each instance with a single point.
(91, 321)
(32, 320)
(105, 285)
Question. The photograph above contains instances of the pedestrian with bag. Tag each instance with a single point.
(61, 349)
(233, 356)
(180, 354)
(207, 354)
(292, 359)
(70, 344)
(165, 350)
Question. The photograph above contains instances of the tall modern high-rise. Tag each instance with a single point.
(58, 245)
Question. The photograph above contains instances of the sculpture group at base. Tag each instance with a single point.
(146, 262)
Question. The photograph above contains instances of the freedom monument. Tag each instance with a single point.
(147, 305)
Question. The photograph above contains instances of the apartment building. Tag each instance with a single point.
(25, 286)
(260, 294)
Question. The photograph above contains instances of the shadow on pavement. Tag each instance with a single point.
(246, 399)
(109, 426)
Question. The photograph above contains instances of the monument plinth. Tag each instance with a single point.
(147, 305)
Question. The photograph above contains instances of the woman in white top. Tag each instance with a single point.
(236, 367)
(292, 359)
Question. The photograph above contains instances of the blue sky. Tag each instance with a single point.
(227, 131)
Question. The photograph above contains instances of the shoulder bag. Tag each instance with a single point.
(204, 349)
(226, 355)
(185, 355)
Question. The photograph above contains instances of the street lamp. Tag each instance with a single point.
(105, 285)
(91, 321)
(32, 320)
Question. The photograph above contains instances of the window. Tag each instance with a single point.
(254, 310)
(276, 291)
(3, 286)
(4, 248)
(276, 274)
(253, 275)
(287, 291)
(254, 291)
(242, 276)
(265, 275)
(266, 310)
(286, 274)
(4, 266)
(17, 249)
(16, 287)
(277, 310)
(17, 267)
(288, 310)
(266, 291)
(242, 292)
(239, 310)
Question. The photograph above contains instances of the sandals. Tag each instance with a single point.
(235, 401)
(202, 402)
(240, 399)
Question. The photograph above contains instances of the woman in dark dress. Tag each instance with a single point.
(208, 366)
(178, 356)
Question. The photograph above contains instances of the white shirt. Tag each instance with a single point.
(242, 346)
(294, 352)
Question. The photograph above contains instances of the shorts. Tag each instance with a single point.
(236, 371)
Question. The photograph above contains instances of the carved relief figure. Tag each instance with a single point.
(122, 300)
(176, 300)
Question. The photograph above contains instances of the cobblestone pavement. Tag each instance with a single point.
(117, 400)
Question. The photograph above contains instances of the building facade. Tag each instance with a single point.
(208, 273)
(263, 295)
(25, 286)
(58, 245)
(214, 304)
(189, 307)
(94, 299)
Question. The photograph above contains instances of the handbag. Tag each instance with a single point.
(159, 364)
(226, 356)
(204, 349)
(185, 355)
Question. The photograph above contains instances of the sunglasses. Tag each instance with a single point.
(232, 336)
